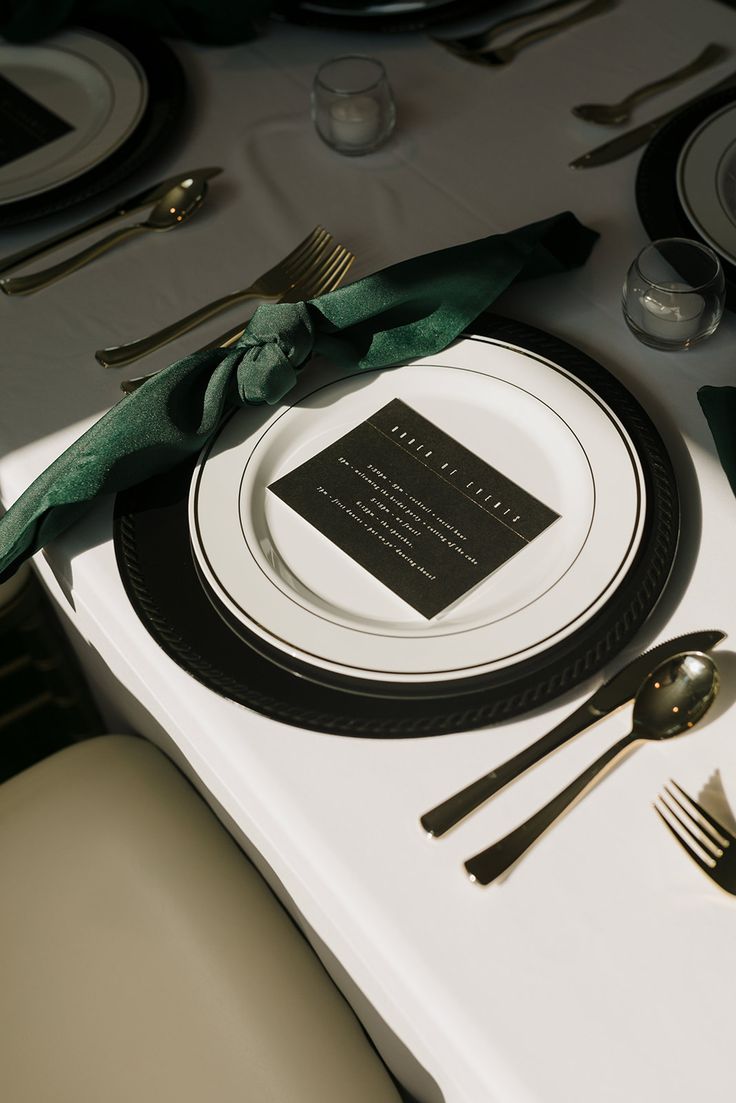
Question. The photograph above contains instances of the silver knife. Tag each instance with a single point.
(617, 691)
(640, 135)
(125, 207)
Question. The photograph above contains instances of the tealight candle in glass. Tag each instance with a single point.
(352, 105)
(674, 294)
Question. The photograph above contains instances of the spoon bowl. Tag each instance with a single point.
(177, 205)
(675, 696)
(174, 208)
(605, 114)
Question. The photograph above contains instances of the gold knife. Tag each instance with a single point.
(640, 135)
(125, 207)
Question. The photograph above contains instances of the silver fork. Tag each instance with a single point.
(701, 835)
(500, 55)
(478, 40)
(327, 277)
(311, 258)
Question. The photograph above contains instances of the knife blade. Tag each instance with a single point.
(617, 691)
(125, 207)
(640, 135)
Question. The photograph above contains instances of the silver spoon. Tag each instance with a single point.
(616, 114)
(674, 697)
(172, 210)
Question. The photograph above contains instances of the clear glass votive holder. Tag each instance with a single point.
(674, 294)
(352, 105)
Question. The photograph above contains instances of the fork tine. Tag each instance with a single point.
(308, 285)
(318, 235)
(313, 264)
(724, 836)
(715, 842)
(303, 259)
(710, 846)
(333, 276)
(341, 271)
(705, 866)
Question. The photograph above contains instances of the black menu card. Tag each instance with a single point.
(25, 124)
(414, 507)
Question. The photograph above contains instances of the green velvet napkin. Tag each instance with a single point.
(217, 22)
(719, 406)
(409, 310)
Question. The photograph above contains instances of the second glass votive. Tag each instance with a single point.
(352, 105)
(674, 293)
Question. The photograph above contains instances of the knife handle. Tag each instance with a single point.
(26, 285)
(440, 819)
(66, 237)
(500, 856)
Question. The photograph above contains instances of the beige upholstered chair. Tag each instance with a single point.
(144, 959)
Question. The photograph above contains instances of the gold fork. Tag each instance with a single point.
(306, 264)
(326, 277)
(701, 835)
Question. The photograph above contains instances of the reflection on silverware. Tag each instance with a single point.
(674, 697)
(119, 210)
(640, 135)
(309, 266)
(616, 114)
(172, 210)
(503, 54)
(707, 841)
(324, 276)
(614, 693)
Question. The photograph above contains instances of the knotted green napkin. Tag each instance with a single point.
(409, 310)
(719, 406)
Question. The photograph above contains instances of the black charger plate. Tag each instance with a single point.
(377, 16)
(167, 92)
(657, 199)
(154, 556)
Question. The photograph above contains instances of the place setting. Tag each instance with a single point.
(81, 111)
(685, 181)
(433, 534)
(672, 687)
(380, 498)
(393, 552)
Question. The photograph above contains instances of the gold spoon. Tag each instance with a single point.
(616, 114)
(172, 210)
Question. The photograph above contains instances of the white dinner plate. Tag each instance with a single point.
(285, 584)
(91, 83)
(706, 181)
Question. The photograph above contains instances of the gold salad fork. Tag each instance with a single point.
(316, 265)
(701, 835)
(325, 277)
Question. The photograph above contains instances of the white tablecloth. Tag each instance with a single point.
(604, 967)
